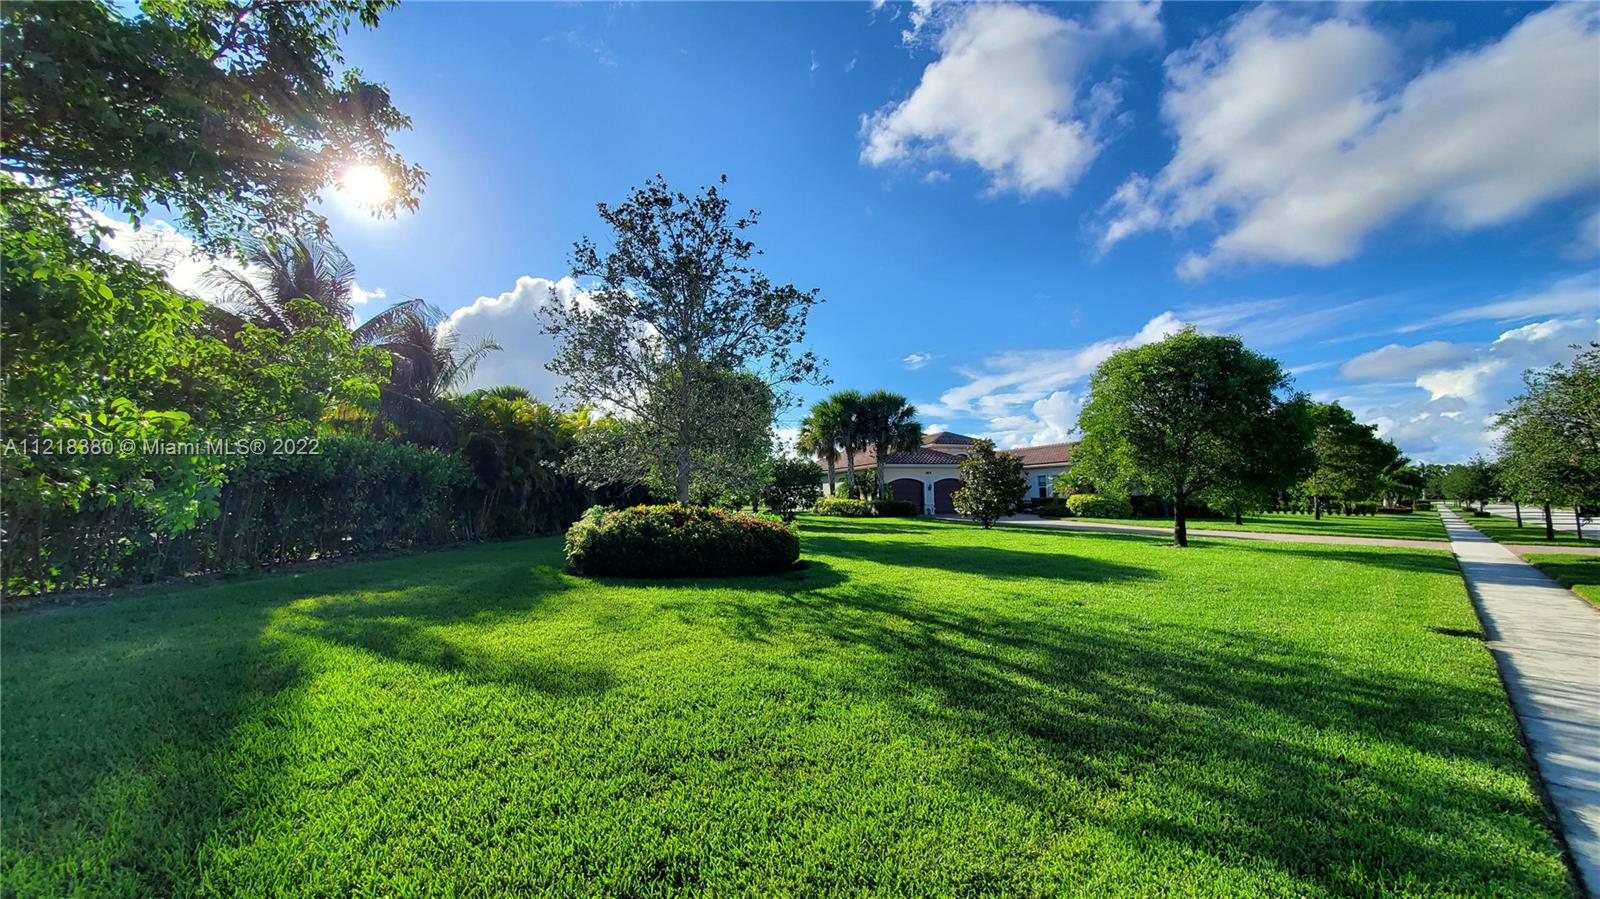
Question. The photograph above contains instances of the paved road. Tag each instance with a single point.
(1561, 519)
(1546, 642)
(1270, 537)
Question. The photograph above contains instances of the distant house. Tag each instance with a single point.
(928, 476)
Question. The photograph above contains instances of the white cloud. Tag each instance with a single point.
(1003, 94)
(1394, 360)
(158, 245)
(360, 296)
(1587, 244)
(915, 361)
(814, 63)
(1447, 395)
(1578, 294)
(1302, 138)
(512, 320)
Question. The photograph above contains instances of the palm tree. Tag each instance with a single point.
(281, 270)
(851, 437)
(428, 361)
(889, 424)
(820, 436)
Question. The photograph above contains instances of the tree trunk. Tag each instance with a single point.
(1549, 526)
(850, 472)
(1518, 506)
(1577, 519)
(1180, 523)
(832, 466)
(1238, 517)
(1316, 507)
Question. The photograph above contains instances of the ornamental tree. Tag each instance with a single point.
(1181, 417)
(677, 310)
(993, 484)
(794, 485)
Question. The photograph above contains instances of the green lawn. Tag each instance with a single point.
(1505, 530)
(1416, 526)
(1580, 573)
(925, 708)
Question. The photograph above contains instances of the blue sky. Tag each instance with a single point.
(1400, 202)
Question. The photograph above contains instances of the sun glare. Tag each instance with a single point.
(364, 185)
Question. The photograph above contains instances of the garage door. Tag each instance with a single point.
(942, 491)
(908, 490)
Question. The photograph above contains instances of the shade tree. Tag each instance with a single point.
(1180, 417)
(678, 308)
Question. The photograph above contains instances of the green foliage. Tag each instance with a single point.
(993, 484)
(1095, 505)
(679, 330)
(843, 507)
(1053, 507)
(676, 540)
(229, 112)
(1351, 461)
(794, 484)
(1550, 448)
(1183, 416)
(823, 433)
(888, 423)
(895, 508)
(99, 353)
(515, 447)
(1422, 505)
(1478, 481)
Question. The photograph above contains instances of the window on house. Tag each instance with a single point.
(1044, 486)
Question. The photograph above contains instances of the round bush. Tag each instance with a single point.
(679, 541)
(895, 508)
(1095, 505)
(845, 508)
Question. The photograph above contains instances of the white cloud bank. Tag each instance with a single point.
(1005, 93)
(512, 320)
(1302, 136)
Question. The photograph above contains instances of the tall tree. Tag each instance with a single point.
(1268, 466)
(679, 304)
(230, 112)
(1550, 448)
(282, 269)
(1350, 457)
(853, 433)
(889, 424)
(1478, 481)
(1179, 416)
(821, 436)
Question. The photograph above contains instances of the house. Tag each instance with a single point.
(928, 476)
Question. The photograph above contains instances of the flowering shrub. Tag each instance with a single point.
(677, 540)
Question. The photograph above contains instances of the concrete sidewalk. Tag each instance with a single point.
(1547, 643)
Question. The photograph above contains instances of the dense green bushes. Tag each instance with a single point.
(1422, 505)
(895, 508)
(842, 507)
(1095, 505)
(679, 541)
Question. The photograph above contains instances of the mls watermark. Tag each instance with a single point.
(124, 447)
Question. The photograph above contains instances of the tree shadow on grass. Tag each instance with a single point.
(985, 561)
(1238, 746)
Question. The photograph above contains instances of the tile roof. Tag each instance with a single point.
(946, 438)
(1048, 454)
(933, 453)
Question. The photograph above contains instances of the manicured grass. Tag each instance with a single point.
(925, 708)
(1416, 526)
(1579, 573)
(1505, 530)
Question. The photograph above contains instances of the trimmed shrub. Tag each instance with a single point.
(1422, 505)
(1364, 509)
(896, 508)
(679, 541)
(1052, 507)
(842, 507)
(1394, 510)
(1095, 505)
